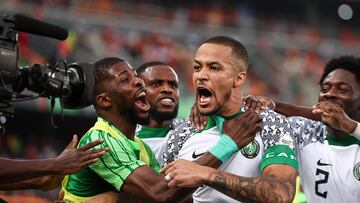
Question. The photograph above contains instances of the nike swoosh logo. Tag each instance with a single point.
(322, 164)
(194, 156)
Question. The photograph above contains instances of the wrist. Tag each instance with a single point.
(351, 126)
(224, 148)
(356, 132)
(50, 167)
(208, 175)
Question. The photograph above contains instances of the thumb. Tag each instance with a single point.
(73, 142)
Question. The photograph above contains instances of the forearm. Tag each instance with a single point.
(208, 160)
(255, 189)
(18, 170)
(293, 110)
(152, 187)
(44, 183)
(180, 194)
(205, 160)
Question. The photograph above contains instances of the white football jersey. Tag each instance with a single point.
(329, 168)
(166, 148)
(249, 161)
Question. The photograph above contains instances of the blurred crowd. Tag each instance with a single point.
(286, 54)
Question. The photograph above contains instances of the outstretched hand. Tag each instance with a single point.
(257, 103)
(242, 129)
(334, 116)
(73, 159)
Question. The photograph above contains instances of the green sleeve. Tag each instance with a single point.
(118, 163)
(279, 154)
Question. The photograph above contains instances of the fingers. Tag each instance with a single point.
(168, 177)
(327, 108)
(165, 168)
(254, 118)
(257, 103)
(250, 102)
(91, 144)
(73, 142)
(92, 154)
(89, 162)
(202, 121)
(196, 119)
(170, 170)
(192, 122)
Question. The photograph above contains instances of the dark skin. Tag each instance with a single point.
(258, 103)
(144, 180)
(162, 92)
(338, 105)
(71, 160)
(339, 102)
(161, 81)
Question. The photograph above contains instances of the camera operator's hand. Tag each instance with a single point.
(73, 159)
(242, 129)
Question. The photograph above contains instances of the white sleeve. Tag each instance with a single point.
(356, 132)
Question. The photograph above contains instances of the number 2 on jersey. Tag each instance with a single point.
(321, 181)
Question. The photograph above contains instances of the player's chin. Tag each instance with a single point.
(142, 118)
(206, 109)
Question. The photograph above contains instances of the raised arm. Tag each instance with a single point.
(71, 160)
(44, 183)
(286, 109)
(294, 110)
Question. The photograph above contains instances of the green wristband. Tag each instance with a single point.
(224, 148)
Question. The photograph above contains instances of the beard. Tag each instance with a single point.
(163, 116)
(131, 114)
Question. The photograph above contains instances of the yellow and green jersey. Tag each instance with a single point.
(111, 171)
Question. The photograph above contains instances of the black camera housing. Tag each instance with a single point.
(73, 83)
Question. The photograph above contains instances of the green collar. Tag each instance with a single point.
(217, 120)
(133, 144)
(147, 132)
(347, 141)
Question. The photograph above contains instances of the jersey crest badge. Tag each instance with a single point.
(251, 150)
(356, 171)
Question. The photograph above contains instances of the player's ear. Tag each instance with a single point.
(240, 78)
(103, 100)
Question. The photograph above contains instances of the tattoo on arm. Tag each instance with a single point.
(256, 189)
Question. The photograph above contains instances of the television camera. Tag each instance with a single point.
(71, 83)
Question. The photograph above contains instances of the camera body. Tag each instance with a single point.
(72, 83)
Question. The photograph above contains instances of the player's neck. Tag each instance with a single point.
(122, 124)
(232, 106)
(158, 124)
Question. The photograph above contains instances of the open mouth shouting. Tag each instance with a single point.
(204, 96)
(141, 102)
(167, 101)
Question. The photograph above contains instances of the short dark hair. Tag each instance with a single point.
(238, 49)
(101, 73)
(349, 63)
(146, 65)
